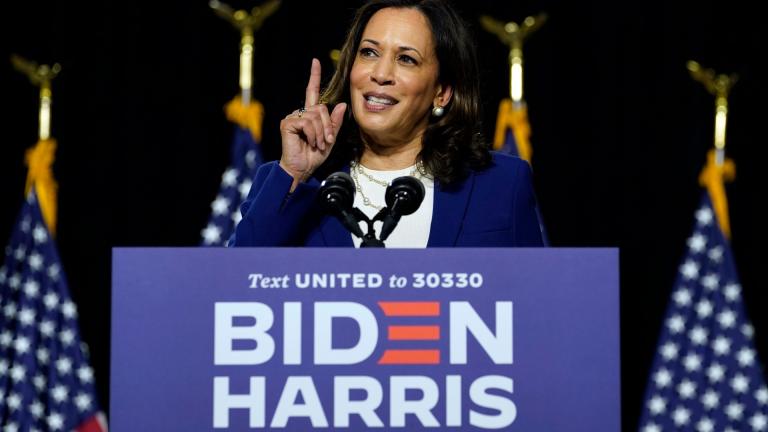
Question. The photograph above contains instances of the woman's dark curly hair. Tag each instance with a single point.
(452, 143)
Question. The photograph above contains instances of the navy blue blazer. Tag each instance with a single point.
(495, 207)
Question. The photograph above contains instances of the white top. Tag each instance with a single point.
(413, 230)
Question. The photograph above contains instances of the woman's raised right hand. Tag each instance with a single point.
(308, 135)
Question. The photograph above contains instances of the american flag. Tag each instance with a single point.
(235, 184)
(46, 383)
(706, 375)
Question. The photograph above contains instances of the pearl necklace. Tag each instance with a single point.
(356, 169)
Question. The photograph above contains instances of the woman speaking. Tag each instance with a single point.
(405, 102)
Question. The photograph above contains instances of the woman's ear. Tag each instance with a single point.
(443, 95)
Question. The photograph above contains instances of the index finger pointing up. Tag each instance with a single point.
(313, 87)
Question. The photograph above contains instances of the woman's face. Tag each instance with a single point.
(393, 83)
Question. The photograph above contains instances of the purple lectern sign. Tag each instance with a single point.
(352, 340)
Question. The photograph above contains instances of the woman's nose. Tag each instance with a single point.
(383, 72)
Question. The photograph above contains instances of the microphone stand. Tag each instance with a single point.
(370, 240)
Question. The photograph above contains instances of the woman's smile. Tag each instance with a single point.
(377, 102)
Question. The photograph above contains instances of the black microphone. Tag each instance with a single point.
(337, 194)
(403, 197)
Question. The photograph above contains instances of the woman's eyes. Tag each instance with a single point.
(370, 52)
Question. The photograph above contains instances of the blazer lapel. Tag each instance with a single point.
(448, 212)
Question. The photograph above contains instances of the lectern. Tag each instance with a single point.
(290, 339)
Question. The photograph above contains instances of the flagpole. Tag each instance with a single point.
(248, 24)
(40, 76)
(720, 87)
(513, 35)
(247, 114)
(718, 170)
(513, 130)
(40, 157)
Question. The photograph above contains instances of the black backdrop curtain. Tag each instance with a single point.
(620, 132)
